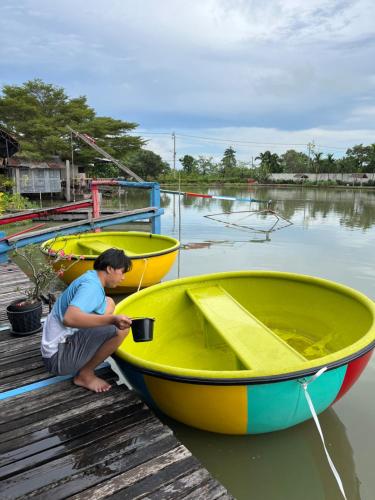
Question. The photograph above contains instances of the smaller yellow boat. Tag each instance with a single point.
(152, 255)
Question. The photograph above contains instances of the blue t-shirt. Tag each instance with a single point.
(85, 292)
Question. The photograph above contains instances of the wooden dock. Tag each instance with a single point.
(61, 441)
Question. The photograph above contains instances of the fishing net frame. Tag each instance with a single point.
(267, 211)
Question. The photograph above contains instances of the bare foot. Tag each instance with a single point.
(90, 381)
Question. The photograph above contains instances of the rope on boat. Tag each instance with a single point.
(143, 273)
(304, 385)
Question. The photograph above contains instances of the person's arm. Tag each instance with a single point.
(75, 318)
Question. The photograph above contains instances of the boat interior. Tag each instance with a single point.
(246, 323)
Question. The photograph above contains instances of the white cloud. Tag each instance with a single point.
(284, 65)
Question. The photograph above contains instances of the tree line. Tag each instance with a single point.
(358, 159)
(37, 114)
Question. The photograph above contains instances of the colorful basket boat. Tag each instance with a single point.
(152, 255)
(231, 350)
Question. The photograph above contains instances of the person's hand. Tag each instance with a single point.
(121, 321)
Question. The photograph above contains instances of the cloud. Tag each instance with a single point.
(286, 67)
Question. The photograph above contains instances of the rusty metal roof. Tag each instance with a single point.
(26, 163)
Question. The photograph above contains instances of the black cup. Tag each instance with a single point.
(142, 329)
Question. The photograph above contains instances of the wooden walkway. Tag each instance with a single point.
(61, 441)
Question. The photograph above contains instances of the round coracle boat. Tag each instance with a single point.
(231, 351)
(152, 255)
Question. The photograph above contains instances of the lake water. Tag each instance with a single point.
(332, 236)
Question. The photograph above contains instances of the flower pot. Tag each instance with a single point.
(25, 318)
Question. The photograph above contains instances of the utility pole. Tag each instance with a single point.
(174, 153)
(311, 147)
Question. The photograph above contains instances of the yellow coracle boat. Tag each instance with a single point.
(152, 255)
(231, 351)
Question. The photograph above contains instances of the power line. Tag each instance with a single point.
(237, 141)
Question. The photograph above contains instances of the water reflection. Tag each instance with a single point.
(351, 208)
(289, 464)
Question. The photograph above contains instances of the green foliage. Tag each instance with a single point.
(10, 201)
(294, 162)
(228, 161)
(147, 164)
(270, 162)
(37, 114)
(189, 164)
(5, 183)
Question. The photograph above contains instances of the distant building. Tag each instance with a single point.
(33, 177)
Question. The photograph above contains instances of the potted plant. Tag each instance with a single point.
(25, 313)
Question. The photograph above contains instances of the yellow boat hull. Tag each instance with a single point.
(231, 350)
(152, 256)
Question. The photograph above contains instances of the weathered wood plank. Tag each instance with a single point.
(140, 473)
(37, 400)
(20, 356)
(124, 403)
(28, 420)
(169, 475)
(74, 430)
(91, 465)
(62, 413)
(74, 444)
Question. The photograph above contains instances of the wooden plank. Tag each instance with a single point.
(62, 413)
(40, 438)
(27, 420)
(75, 443)
(88, 466)
(74, 429)
(25, 378)
(151, 485)
(197, 483)
(36, 401)
(140, 473)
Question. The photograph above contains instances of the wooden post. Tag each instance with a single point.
(67, 180)
(18, 180)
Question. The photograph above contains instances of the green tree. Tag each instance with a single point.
(359, 156)
(270, 162)
(207, 166)
(147, 164)
(294, 162)
(189, 164)
(228, 161)
(37, 114)
(317, 162)
(330, 164)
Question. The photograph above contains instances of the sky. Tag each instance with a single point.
(251, 74)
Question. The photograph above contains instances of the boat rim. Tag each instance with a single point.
(237, 377)
(266, 379)
(172, 249)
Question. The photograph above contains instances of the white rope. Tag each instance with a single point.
(144, 270)
(304, 385)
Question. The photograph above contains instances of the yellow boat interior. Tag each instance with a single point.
(134, 243)
(248, 324)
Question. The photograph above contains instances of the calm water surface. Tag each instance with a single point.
(332, 236)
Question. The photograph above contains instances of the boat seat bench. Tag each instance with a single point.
(255, 345)
(96, 247)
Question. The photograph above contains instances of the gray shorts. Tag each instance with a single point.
(78, 349)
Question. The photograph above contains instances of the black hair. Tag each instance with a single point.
(112, 257)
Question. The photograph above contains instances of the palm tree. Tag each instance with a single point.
(317, 163)
(330, 164)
